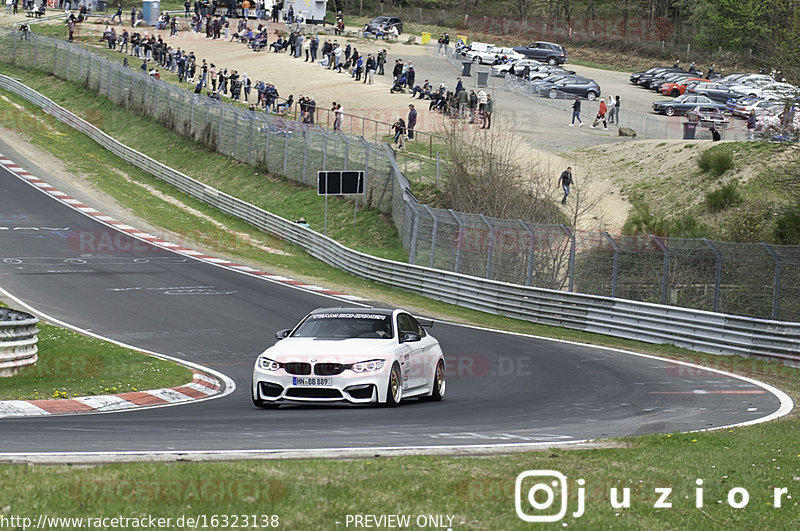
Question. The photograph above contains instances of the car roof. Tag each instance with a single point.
(355, 310)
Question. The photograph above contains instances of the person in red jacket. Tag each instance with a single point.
(601, 115)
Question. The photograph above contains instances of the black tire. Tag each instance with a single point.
(675, 93)
(261, 403)
(394, 387)
(552, 61)
(669, 111)
(552, 94)
(439, 384)
(477, 59)
(591, 96)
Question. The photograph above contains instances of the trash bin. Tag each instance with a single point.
(466, 68)
(151, 11)
(689, 129)
(425, 37)
(483, 79)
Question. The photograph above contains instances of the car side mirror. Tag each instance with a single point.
(282, 334)
(408, 337)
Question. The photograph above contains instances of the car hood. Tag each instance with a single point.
(331, 350)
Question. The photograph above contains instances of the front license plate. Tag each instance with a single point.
(315, 382)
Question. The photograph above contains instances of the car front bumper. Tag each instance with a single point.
(279, 387)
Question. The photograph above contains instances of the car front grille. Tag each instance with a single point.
(298, 368)
(328, 369)
(313, 392)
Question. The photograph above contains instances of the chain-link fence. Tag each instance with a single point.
(748, 279)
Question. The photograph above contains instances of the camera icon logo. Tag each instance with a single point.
(538, 492)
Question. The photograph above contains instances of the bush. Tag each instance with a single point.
(787, 227)
(642, 221)
(716, 161)
(723, 197)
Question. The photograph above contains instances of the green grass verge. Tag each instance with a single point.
(478, 492)
(71, 364)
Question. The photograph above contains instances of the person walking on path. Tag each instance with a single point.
(399, 128)
(751, 126)
(576, 112)
(611, 110)
(412, 121)
(565, 181)
(601, 115)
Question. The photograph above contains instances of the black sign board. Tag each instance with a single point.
(340, 182)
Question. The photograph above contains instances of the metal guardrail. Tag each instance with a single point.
(698, 330)
(17, 341)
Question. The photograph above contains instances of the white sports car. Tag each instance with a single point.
(356, 355)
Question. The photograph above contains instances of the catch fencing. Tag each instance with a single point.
(697, 330)
(756, 280)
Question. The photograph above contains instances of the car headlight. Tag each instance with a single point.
(366, 366)
(268, 364)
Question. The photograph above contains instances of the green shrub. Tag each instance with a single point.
(723, 197)
(716, 161)
(787, 227)
(642, 221)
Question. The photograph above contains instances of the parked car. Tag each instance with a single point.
(546, 52)
(747, 79)
(474, 47)
(514, 66)
(651, 72)
(382, 24)
(708, 116)
(716, 91)
(656, 83)
(676, 88)
(682, 104)
(542, 71)
(492, 54)
(745, 105)
(571, 85)
(645, 80)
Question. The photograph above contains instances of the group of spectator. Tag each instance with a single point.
(337, 57)
(256, 8)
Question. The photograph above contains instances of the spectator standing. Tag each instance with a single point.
(751, 125)
(576, 112)
(616, 108)
(611, 109)
(487, 112)
(246, 9)
(482, 99)
(565, 181)
(381, 60)
(412, 121)
(71, 28)
(187, 6)
(473, 106)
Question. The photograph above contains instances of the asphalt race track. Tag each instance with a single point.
(501, 388)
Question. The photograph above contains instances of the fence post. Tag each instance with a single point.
(412, 252)
(366, 160)
(55, 57)
(305, 153)
(437, 169)
(346, 149)
(266, 153)
(460, 239)
(717, 271)
(490, 250)
(615, 266)
(662, 298)
(324, 151)
(286, 154)
(776, 283)
(571, 267)
(236, 134)
(35, 50)
(250, 142)
(433, 235)
(529, 272)
(219, 135)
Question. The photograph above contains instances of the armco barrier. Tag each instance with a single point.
(17, 341)
(693, 329)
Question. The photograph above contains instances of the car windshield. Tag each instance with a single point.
(380, 20)
(345, 325)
